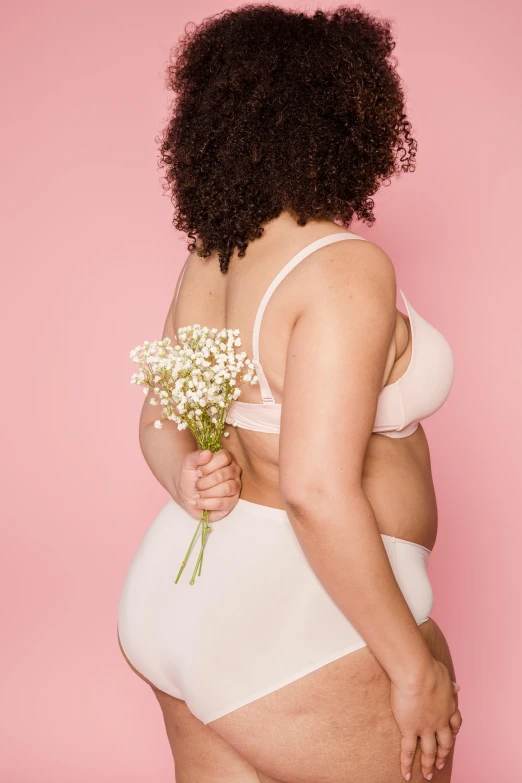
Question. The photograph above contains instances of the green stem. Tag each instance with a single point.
(206, 530)
(200, 557)
(184, 563)
(204, 536)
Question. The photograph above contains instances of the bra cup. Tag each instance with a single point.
(427, 383)
(390, 410)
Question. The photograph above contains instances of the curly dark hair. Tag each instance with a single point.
(279, 110)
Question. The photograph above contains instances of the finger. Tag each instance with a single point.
(195, 458)
(455, 722)
(219, 459)
(218, 476)
(224, 489)
(445, 742)
(210, 504)
(215, 516)
(408, 748)
(428, 745)
(204, 457)
(456, 687)
(227, 505)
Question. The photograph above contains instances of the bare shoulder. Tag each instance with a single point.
(342, 272)
(356, 261)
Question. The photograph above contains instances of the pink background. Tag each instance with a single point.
(90, 264)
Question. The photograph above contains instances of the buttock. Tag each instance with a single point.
(255, 620)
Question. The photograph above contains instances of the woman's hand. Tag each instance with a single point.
(210, 481)
(427, 711)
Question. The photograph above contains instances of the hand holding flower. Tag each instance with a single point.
(217, 488)
(194, 382)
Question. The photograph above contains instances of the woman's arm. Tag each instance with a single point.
(334, 372)
(177, 462)
(165, 449)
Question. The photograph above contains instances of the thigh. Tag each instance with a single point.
(200, 755)
(335, 724)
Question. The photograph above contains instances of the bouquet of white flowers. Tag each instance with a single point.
(195, 383)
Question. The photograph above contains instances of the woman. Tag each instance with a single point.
(305, 650)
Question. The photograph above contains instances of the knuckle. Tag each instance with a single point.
(230, 473)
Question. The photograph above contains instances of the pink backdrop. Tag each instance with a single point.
(90, 264)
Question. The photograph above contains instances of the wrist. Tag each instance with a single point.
(416, 675)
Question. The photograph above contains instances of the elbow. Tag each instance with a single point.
(315, 500)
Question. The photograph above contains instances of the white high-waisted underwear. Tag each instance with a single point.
(255, 620)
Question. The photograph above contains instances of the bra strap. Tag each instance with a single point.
(266, 392)
(178, 283)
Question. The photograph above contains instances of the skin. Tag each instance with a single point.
(387, 711)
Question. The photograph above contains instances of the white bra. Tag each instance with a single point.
(418, 393)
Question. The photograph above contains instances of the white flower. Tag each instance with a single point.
(158, 424)
(195, 380)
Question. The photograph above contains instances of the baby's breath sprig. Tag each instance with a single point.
(195, 382)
